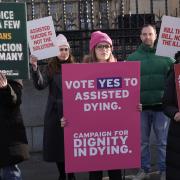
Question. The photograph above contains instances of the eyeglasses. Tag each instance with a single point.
(64, 49)
(101, 46)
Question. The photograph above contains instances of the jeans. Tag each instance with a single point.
(10, 173)
(160, 124)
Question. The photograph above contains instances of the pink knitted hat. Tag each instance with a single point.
(98, 37)
(61, 41)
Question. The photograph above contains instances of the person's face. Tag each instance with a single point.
(103, 51)
(148, 36)
(63, 53)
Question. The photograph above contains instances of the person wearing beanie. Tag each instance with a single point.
(100, 48)
(53, 140)
(61, 41)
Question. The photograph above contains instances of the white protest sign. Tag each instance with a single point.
(41, 38)
(169, 37)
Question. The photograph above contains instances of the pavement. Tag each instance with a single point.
(36, 169)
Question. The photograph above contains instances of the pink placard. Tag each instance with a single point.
(100, 105)
(177, 81)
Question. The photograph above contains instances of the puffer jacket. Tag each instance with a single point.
(154, 71)
(13, 140)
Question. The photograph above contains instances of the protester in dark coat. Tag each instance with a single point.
(14, 146)
(53, 140)
(173, 142)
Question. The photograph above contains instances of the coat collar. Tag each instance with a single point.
(146, 48)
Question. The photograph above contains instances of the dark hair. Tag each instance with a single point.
(54, 63)
(177, 55)
(148, 25)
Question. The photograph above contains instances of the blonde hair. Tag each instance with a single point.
(91, 57)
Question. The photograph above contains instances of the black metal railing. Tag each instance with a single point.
(124, 40)
(78, 18)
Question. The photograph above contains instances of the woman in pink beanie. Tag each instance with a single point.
(101, 51)
(53, 140)
(100, 47)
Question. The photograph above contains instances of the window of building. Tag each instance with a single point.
(86, 14)
(103, 14)
(71, 15)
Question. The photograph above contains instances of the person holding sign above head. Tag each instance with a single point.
(171, 109)
(101, 52)
(53, 141)
(13, 140)
(154, 71)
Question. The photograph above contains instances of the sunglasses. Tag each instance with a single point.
(101, 46)
(64, 49)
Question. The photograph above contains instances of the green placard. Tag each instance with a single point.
(13, 41)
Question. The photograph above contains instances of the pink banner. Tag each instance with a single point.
(100, 105)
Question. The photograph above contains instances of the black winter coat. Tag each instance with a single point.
(53, 139)
(13, 138)
(173, 141)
